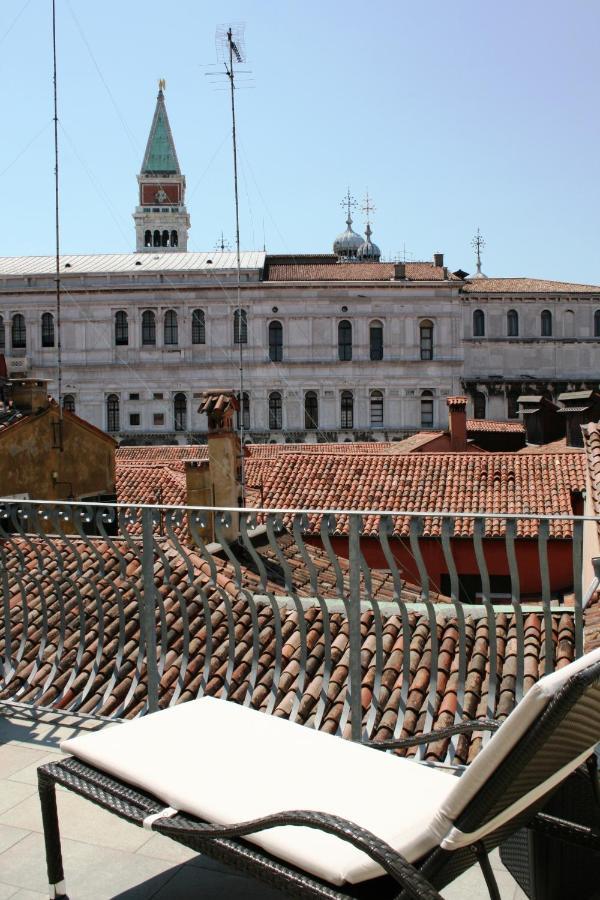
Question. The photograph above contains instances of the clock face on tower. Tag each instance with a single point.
(160, 196)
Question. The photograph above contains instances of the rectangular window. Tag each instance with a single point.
(134, 418)
(159, 418)
(158, 396)
(426, 342)
(134, 396)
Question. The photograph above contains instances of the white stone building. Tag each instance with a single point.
(334, 347)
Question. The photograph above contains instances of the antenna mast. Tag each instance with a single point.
(230, 49)
(57, 237)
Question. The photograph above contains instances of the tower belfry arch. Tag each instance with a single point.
(161, 218)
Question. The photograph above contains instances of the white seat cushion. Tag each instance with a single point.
(227, 764)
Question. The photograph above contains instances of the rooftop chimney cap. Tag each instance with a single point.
(438, 260)
(456, 402)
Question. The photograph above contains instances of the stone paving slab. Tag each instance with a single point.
(105, 857)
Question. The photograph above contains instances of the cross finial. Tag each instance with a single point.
(349, 203)
(162, 84)
(478, 244)
(368, 207)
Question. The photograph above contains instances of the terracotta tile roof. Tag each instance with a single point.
(106, 584)
(334, 271)
(445, 482)
(490, 425)
(527, 286)
(257, 451)
(591, 439)
(151, 483)
(161, 454)
(559, 446)
(419, 439)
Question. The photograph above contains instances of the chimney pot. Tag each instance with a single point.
(438, 260)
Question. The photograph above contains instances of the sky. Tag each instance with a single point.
(453, 116)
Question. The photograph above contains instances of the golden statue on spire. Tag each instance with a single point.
(162, 84)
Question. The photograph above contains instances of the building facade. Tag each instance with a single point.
(332, 347)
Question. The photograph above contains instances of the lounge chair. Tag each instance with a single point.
(222, 779)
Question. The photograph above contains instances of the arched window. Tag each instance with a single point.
(426, 339)
(245, 410)
(275, 341)
(198, 327)
(165, 239)
(180, 412)
(479, 405)
(512, 323)
(376, 340)
(275, 411)
(147, 238)
(69, 403)
(156, 238)
(546, 323)
(569, 324)
(19, 334)
(47, 330)
(2, 334)
(112, 413)
(345, 341)
(170, 328)
(426, 409)
(347, 409)
(376, 408)
(240, 328)
(478, 323)
(148, 328)
(596, 324)
(174, 239)
(311, 410)
(121, 328)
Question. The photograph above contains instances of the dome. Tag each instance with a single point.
(347, 243)
(367, 249)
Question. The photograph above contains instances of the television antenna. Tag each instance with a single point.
(57, 236)
(231, 52)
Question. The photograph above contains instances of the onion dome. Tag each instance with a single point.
(368, 250)
(346, 244)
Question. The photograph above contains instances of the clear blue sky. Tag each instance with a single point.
(453, 115)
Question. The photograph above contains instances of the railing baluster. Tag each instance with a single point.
(478, 533)
(515, 590)
(543, 533)
(354, 629)
(148, 611)
(577, 585)
(416, 530)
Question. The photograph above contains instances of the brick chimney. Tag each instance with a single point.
(457, 422)
(29, 395)
(218, 483)
(399, 271)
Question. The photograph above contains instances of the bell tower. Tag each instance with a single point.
(161, 219)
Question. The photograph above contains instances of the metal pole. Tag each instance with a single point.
(57, 233)
(148, 611)
(354, 635)
(238, 265)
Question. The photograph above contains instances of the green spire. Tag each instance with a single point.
(160, 157)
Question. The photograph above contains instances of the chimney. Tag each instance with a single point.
(224, 455)
(438, 260)
(399, 271)
(457, 421)
(199, 492)
(29, 395)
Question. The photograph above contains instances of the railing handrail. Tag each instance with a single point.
(310, 511)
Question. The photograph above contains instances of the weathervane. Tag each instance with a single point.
(349, 203)
(478, 244)
(222, 244)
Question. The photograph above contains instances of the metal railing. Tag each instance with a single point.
(117, 610)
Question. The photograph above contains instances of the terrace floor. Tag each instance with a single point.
(105, 857)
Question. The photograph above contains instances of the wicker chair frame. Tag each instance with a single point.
(567, 727)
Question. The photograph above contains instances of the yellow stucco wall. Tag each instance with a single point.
(28, 459)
